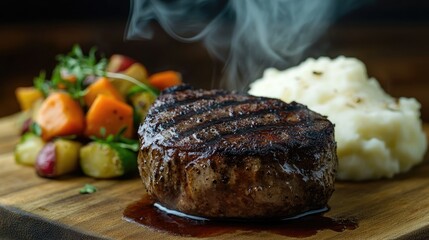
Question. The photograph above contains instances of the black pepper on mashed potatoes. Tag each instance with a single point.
(377, 135)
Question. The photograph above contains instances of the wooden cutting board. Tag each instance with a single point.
(33, 207)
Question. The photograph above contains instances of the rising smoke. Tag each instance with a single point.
(248, 35)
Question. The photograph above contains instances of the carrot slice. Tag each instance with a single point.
(165, 79)
(27, 96)
(112, 115)
(101, 86)
(60, 115)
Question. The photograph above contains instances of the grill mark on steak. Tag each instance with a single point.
(230, 125)
(268, 133)
(186, 111)
(233, 111)
(212, 125)
(197, 128)
(223, 120)
(245, 132)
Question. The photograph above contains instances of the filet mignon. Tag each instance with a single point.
(220, 154)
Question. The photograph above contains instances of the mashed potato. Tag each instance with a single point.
(377, 135)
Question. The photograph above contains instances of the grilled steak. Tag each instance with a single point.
(221, 154)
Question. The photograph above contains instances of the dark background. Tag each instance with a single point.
(390, 37)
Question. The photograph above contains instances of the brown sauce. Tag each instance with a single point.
(145, 213)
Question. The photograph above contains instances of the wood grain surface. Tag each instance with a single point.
(35, 208)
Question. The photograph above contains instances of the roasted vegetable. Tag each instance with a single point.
(119, 63)
(28, 148)
(60, 115)
(141, 102)
(109, 114)
(93, 100)
(166, 79)
(136, 71)
(102, 160)
(58, 158)
(104, 87)
(27, 96)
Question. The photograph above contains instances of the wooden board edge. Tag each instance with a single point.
(19, 224)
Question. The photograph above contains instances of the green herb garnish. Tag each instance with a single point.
(36, 129)
(42, 84)
(87, 189)
(80, 66)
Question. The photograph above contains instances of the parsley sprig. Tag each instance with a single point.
(41, 83)
(74, 64)
(81, 66)
(87, 189)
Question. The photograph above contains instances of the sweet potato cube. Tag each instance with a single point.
(112, 115)
(60, 115)
(101, 86)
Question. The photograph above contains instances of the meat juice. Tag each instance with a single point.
(145, 213)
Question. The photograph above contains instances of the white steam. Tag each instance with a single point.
(248, 35)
